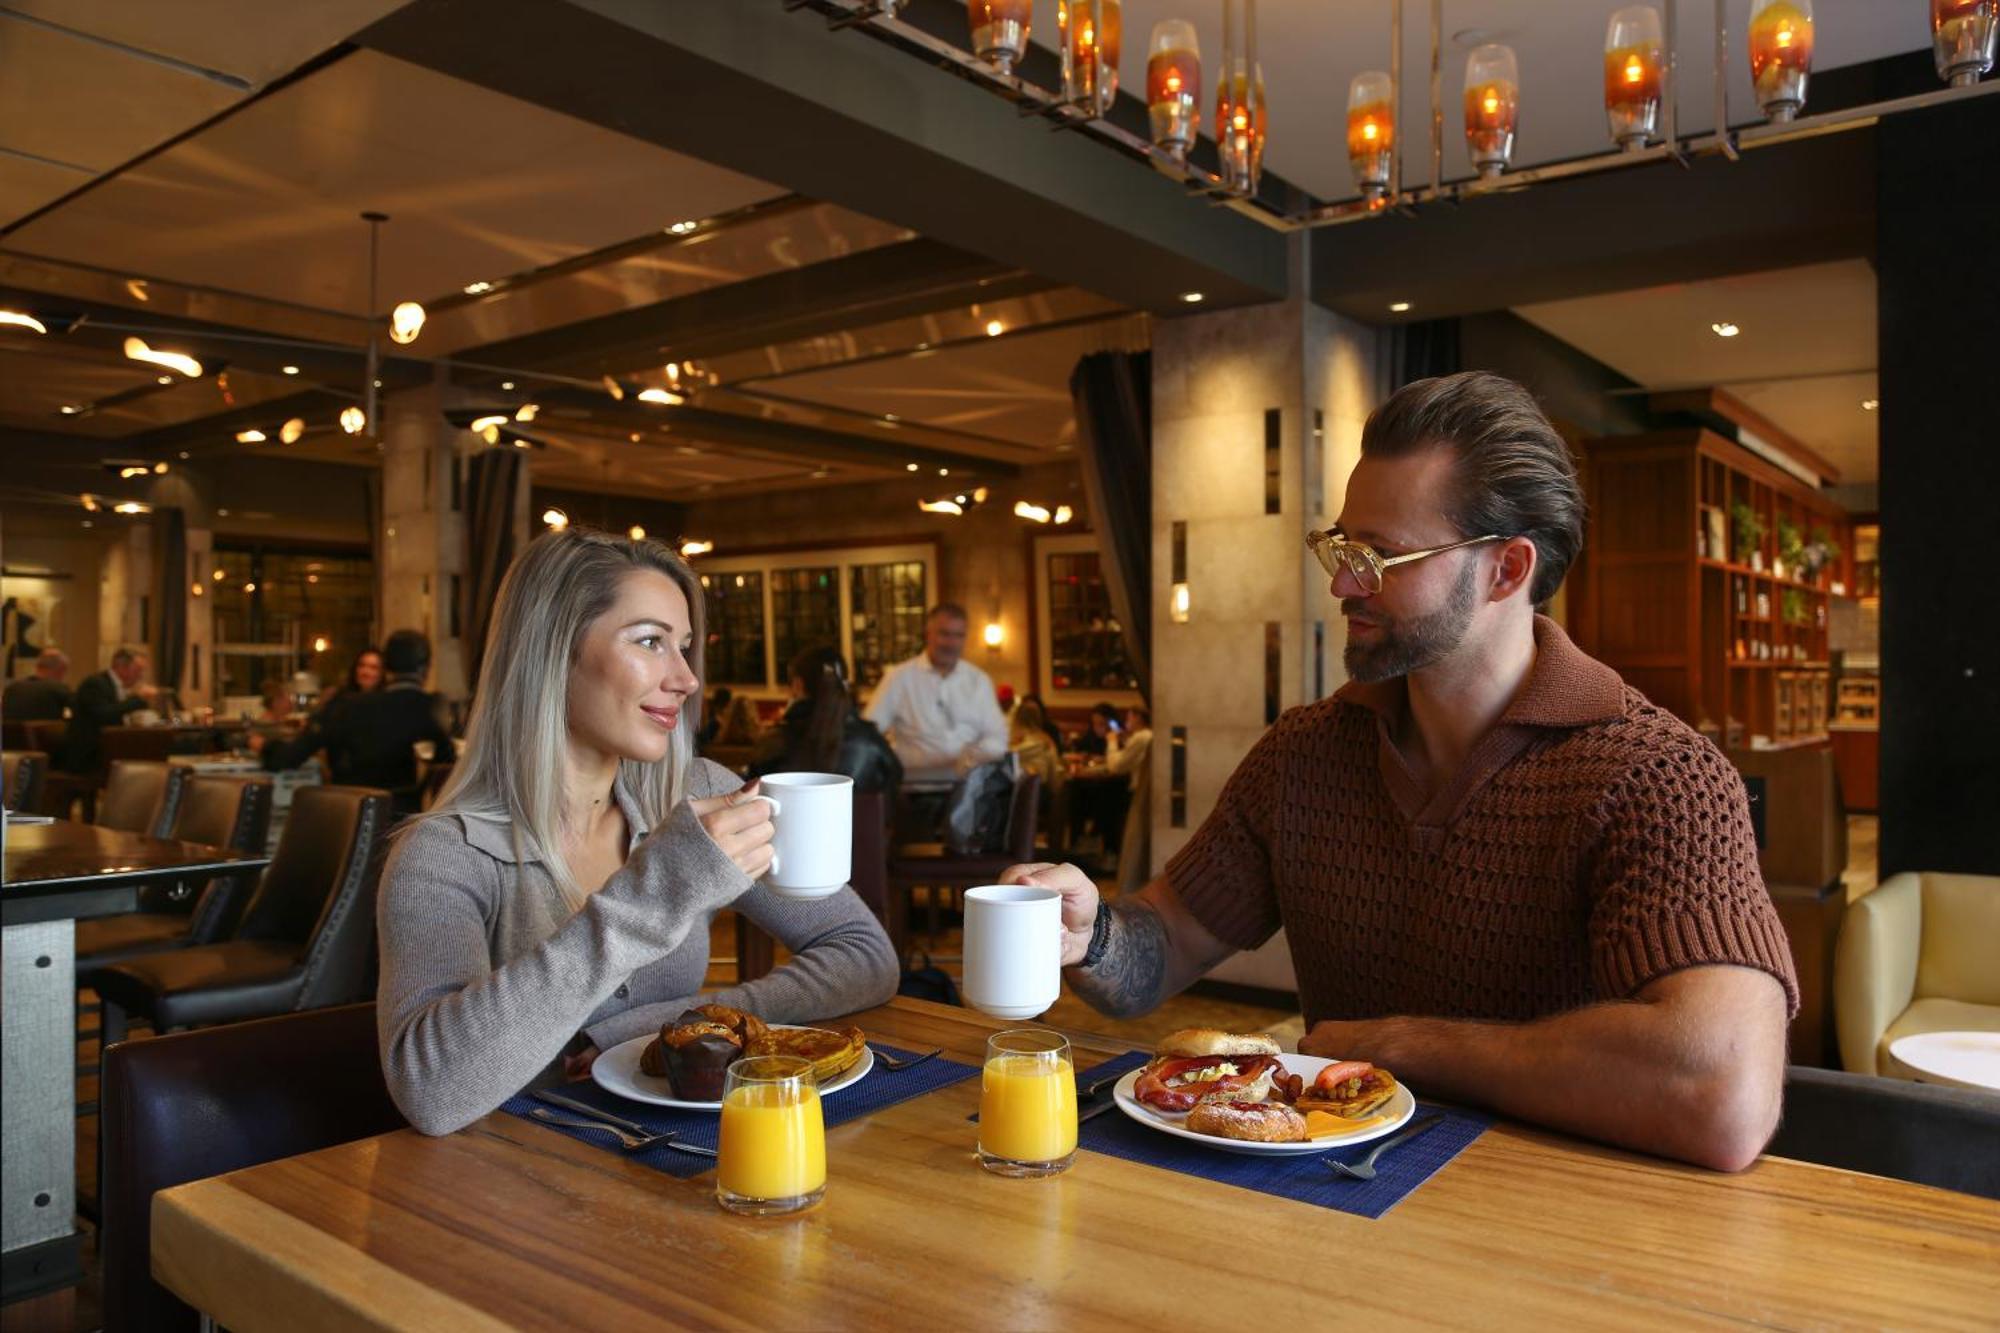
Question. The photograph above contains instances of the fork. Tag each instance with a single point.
(897, 1063)
(631, 1142)
(1365, 1168)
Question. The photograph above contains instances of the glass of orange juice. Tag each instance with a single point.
(772, 1155)
(1027, 1104)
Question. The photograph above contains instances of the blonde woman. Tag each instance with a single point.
(556, 901)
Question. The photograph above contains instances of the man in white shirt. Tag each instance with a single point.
(940, 713)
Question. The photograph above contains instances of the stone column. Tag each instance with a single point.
(1257, 416)
(420, 540)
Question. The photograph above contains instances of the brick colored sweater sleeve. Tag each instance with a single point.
(1676, 883)
(1223, 875)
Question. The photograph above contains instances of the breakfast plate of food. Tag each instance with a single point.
(1240, 1093)
(684, 1063)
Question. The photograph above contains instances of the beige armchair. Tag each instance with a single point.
(1919, 954)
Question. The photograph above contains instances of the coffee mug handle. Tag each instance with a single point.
(776, 809)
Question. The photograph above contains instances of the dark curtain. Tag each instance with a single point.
(170, 594)
(492, 489)
(1421, 350)
(1113, 395)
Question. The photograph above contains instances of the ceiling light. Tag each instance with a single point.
(1064, 513)
(288, 370)
(312, 578)
(1034, 513)
(636, 533)
(89, 503)
(160, 469)
(320, 644)
(185, 455)
(692, 548)
(196, 590)
(135, 470)
(1725, 329)
(520, 443)
(506, 384)
(406, 321)
(478, 288)
(166, 379)
(979, 495)
(635, 437)
(1870, 404)
(20, 319)
(1492, 104)
(1634, 70)
(132, 507)
(137, 286)
(994, 328)
(615, 389)
(290, 432)
(71, 409)
(220, 575)
(527, 411)
(1398, 307)
(250, 437)
(353, 420)
(136, 349)
(250, 587)
(940, 506)
(907, 467)
(944, 472)
(891, 418)
(1192, 298)
(683, 228)
(485, 423)
(822, 472)
(555, 518)
(667, 397)
(491, 435)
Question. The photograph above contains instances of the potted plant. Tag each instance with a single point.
(1749, 531)
(1791, 547)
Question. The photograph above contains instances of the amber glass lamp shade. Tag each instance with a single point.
(999, 30)
(1371, 131)
(1634, 75)
(1240, 123)
(1089, 39)
(1781, 42)
(1173, 85)
(1492, 107)
(1962, 39)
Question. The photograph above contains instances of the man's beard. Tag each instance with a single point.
(1414, 642)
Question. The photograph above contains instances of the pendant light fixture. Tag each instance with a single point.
(1781, 42)
(1492, 108)
(1239, 103)
(1634, 74)
(1371, 131)
(1089, 35)
(999, 31)
(1962, 39)
(1173, 85)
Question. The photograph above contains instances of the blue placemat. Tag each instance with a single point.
(1401, 1169)
(882, 1088)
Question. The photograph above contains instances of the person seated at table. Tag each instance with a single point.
(822, 733)
(41, 697)
(364, 675)
(370, 738)
(1503, 873)
(939, 711)
(1096, 741)
(1131, 750)
(557, 899)
(1054, 734)
(1028, 738)
(279, 705)
(104, 700)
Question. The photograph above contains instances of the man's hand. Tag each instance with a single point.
(1079, 901)
(741, 826)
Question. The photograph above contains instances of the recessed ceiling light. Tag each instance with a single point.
(1398, 307)
(994, 328)
(184, 455)
(165, 379)
(289, 370)
(478, 288)
(907, 467)
(683, 228)
(1725, 329)
(506, 384)
(1870, 404)
(69, 409)
(1192, 298)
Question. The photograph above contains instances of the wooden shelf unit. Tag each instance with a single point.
(1720, 634)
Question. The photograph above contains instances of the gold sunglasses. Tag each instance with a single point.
(1338, 553)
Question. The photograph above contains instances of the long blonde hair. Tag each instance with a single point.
(511, 768)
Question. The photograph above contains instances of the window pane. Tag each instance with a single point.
(1086, 642)
(735, 647)
(888, 602)
(272, 608)
(805, 610)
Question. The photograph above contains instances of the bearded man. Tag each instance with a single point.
(1503, 874)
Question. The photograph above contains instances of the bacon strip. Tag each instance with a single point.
(1156, 1085)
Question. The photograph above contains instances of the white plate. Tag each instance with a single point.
(1399, 1109)
(617, 1070)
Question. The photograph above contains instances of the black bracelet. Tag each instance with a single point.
(1100, 939)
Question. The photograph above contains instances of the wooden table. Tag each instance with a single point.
(507, 1224)
(51, 876)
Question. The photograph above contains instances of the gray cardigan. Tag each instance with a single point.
(487, 976)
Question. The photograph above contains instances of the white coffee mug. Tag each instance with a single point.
(813, 848)
(1013, 949)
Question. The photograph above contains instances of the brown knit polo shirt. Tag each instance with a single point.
(1590, 843)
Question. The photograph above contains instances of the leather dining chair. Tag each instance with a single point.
(229, 812)
(22, 773)
(1925, 1133)
(61, 789)
(306, 940)
(196, 1104)
(141, 796)
(959, 873)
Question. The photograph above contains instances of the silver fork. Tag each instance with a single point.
(632, 1142)
(897, 1063)
(1365, 1168)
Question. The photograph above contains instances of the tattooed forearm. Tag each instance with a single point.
(1131, 976)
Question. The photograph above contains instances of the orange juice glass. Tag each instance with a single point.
(1027, 1104)
(773, 1138)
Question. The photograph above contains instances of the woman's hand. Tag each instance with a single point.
(741, 826)
(577, 1067)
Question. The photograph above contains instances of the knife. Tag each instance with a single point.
(586, 1109)
(1099, 1097)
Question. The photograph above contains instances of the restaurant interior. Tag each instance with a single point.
(313, 318)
